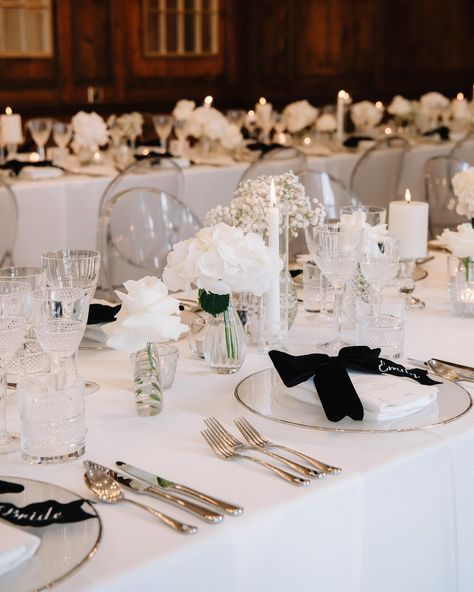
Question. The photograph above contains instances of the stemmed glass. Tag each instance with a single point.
(372, 215)
(163, 124)
(379, 264)
(59, 320)
(40, 130)
(62, 133)
(14, 297)
(77, 268)
(336, 250)
(181, 131)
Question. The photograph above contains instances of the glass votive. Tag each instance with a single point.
(461, 286)
(53, 425)
(196, 337)
(384, 328)
(168, 360)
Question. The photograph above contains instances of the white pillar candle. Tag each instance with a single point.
(409, 221)
(459, 107)
(273, 295)
(10, 124)
(208, 101)
(263, 111)
(342, 100)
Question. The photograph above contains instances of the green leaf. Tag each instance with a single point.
(214, 304)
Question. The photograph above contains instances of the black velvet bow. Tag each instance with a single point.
(264, 148)
(353, 141)
(333, 385)
(443, 132)
(17, 165)
(102, 313)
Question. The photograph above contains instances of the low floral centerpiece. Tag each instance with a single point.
(148, 315)
(89, 133)
(220, 260)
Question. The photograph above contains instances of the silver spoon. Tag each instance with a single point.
(446, 371)
(108, 490)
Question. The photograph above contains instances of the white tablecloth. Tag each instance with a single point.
(63, 213)
(399, 517)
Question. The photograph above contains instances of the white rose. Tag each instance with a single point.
(365, 114)
(232, 137)
(460, 243)
(183, 109)
(215, 124)
(148, 314)
(433, 103)
(298, 115)
(326, 123)
(463, 186)
(400, 106)
(357, 221)
(89, 130)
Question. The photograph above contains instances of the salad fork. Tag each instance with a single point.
(227, 452)
(256, 439)
(220, 432)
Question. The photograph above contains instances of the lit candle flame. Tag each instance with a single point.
(307, 141)
(96, 156)
(208, 100)
(407, 196)
(273, 199)
(342, 94)
(251, 113)
(460, 97)
(33, 157)
(262, 100)
(388, 131)
(379, 105)
(9, 111)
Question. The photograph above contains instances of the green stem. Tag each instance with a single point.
(230, 347)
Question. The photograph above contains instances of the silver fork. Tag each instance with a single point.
(256, 439)
(215, 426)
(227, 452)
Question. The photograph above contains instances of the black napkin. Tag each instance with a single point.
(16, 165)
(353, 141)
(264, 148)
(8, 487)
(442, 131)
(102, 313)
(333, 385)
(153, 154)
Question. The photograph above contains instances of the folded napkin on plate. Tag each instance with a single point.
(16, 166)
(211, 159)
(333, 385)
(33, 173)
(16, 546)
(388, 397)
(443, 132)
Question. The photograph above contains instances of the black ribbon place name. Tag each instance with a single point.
(44, 513)
(332, 382)
(9, 487)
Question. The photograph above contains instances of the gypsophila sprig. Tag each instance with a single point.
(249, 206)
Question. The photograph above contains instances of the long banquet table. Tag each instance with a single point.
(63, 212)
(400, 516)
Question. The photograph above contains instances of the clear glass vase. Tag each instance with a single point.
(225, 341)
(461, 288)
(148, 392)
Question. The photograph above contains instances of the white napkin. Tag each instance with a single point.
(16, 546)
(31, 172)
(385, 397)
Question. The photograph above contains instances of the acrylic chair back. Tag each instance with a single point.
(8, 223)
(275, 162)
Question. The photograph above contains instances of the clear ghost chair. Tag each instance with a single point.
(137, 229)
(8, 223)
(275, 162)
(438, 173)
(376, 177)
(328, 190)
(464, 149)
(153, 171)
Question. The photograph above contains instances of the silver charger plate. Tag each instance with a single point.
(64, 547)
(265, 394)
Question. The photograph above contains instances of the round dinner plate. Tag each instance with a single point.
(64, 547)
(265, 394)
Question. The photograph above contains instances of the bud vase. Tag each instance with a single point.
(148, 393)
(461, 288)
(225, 342)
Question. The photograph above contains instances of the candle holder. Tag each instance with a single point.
(406, 284)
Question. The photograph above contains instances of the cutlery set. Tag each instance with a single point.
(108, 483)
(445, 369)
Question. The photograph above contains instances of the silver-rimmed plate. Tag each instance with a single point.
(64, 547)
(265, 394)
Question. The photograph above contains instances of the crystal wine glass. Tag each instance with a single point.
(14, 298)
(335, 249)
(62, 133)
(40, 130)
(163, 125)
(379, 264)
(372, 215)
(78, 268)
(59, 320)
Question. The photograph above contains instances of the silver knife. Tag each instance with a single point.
(140, 486)
(166, 484)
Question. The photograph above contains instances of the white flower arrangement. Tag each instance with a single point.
(221, 259)
(402, 108)
(298, 115)
(183, 109)
(130, 124)
(249, 207)
(326, 123)
(147, 315)
(461, 242)
(433, 104)
(365, 115)
(89, 131)
(463, 186)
